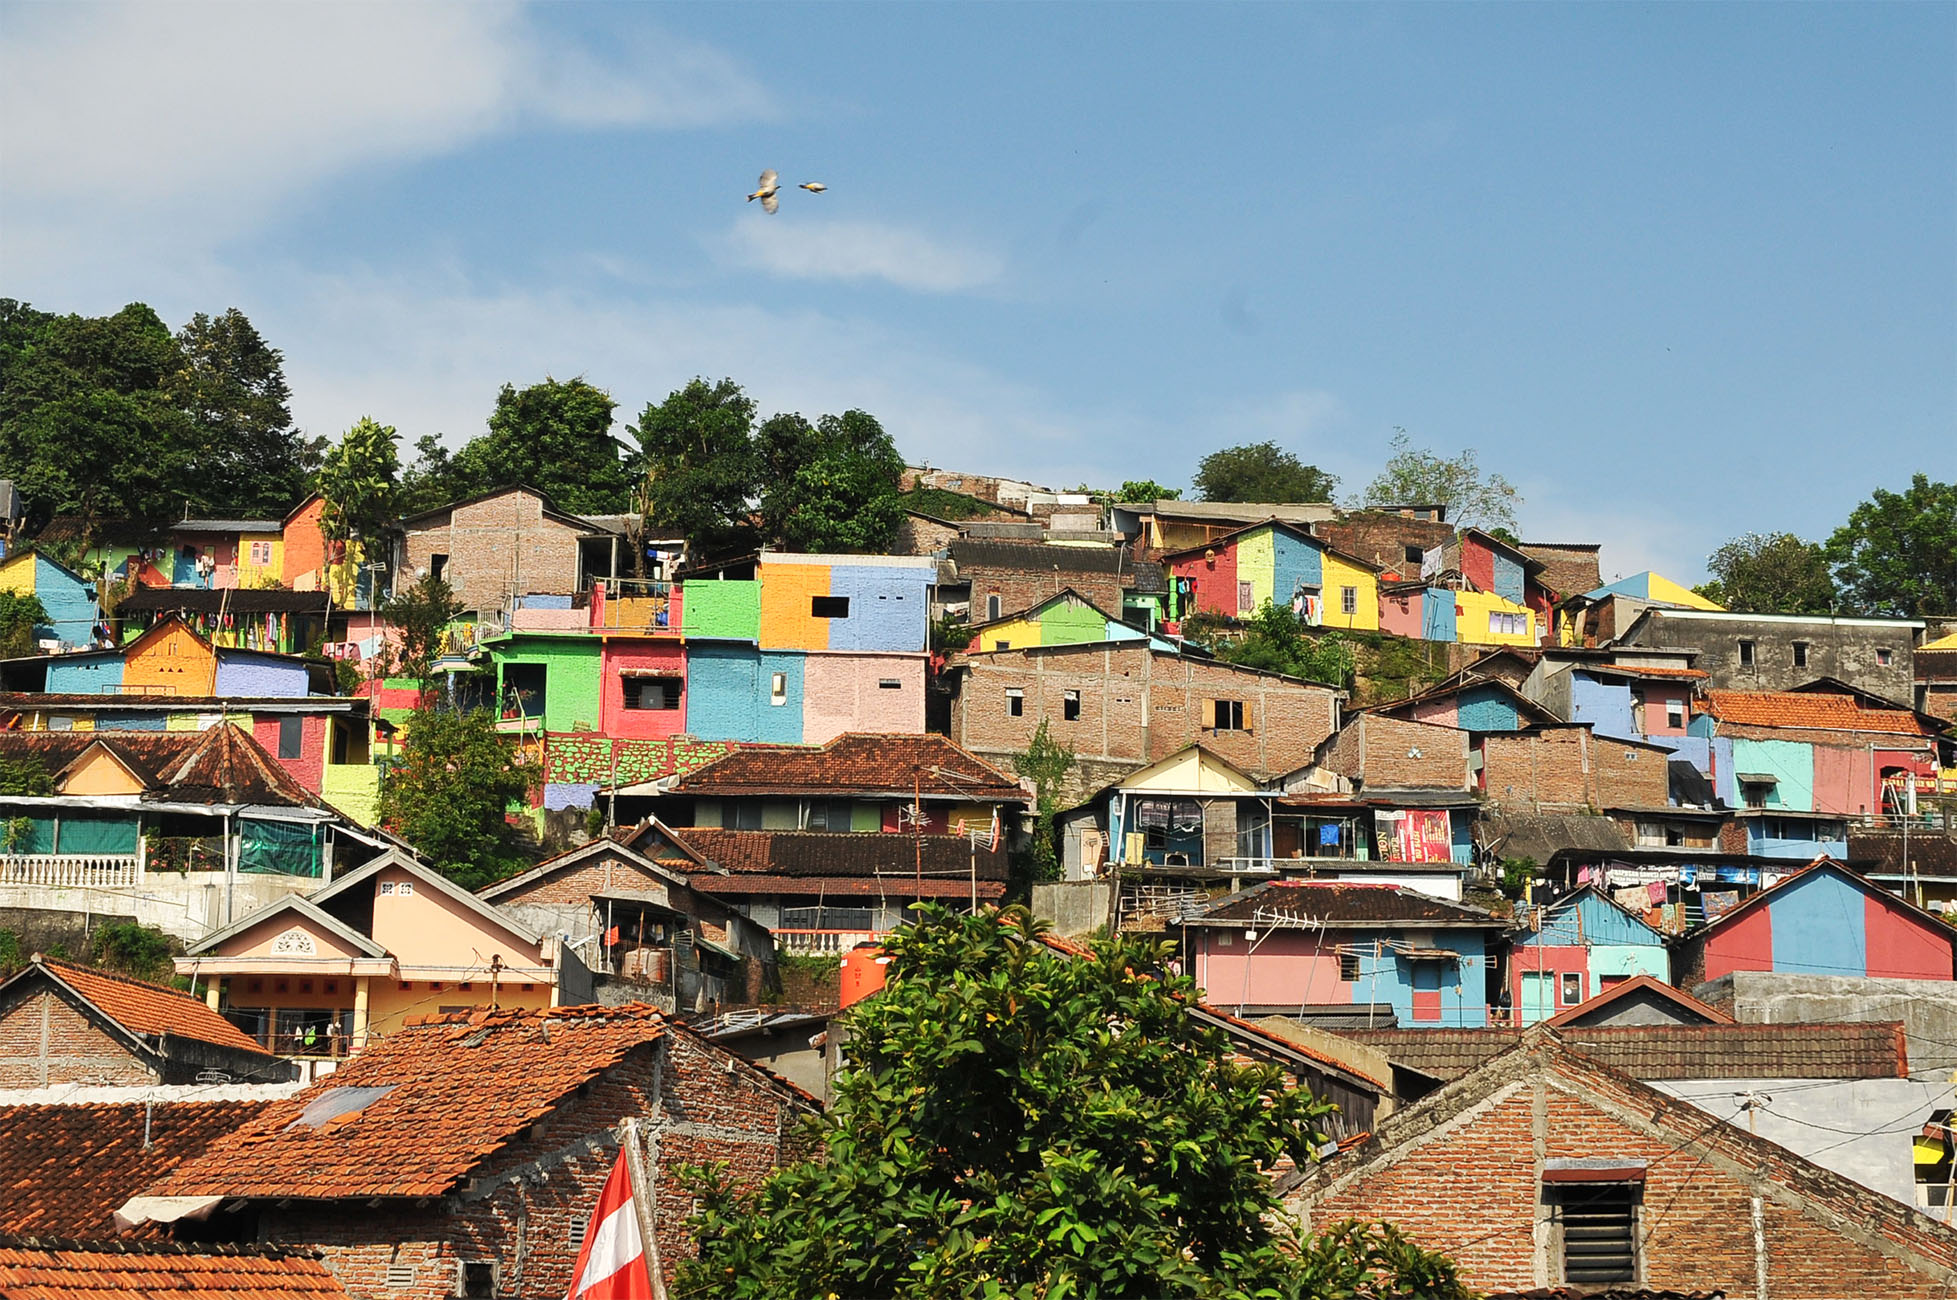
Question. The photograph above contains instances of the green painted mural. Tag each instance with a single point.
(557, 676)
(730, 609)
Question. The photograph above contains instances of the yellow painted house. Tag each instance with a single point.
(1484, 618)
(1351, 594)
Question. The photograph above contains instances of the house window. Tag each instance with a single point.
(1500, 624)
(437, 566)
(292, 737)
(1883, 658)
(1746, 654)
(778, 689)
(1800, 654)
(991, 609)
(652, 693)
(1227, 715)
(747, 814)
(1572, 989)
(1598, 1223)
(889, 684)
(1070, 706)
(1349, 967)
(1675, 714)
(1246, 598)
(1414, 555)
(1015, 702)
(261, 553)
(1348, 600)
(828, 606)
(1674, 838)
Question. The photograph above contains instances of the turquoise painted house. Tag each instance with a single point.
(1582, 944)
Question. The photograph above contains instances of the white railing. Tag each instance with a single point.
(94, 871)
(822, 942)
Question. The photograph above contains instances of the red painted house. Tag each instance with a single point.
(642, 682)
(1825, 920)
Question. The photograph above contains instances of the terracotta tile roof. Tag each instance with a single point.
(220, 765)
(65, 1170)
(1860, 1050)
(151, 1009)
(54, 1269)
(1644, 670)
(833, 853)
(1344, 904)
(1809, 712)
(896, 885)
(857, 763)
(440, 1096)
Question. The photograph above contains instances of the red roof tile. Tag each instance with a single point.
(54, 1269)
(1809, 712)
(895, 885)
(857, 763)
(65, 1170)
(834, 853)
(150, 1009)
(1341, 904)
(222, 764)
(452, 1090)
(1856, 1050)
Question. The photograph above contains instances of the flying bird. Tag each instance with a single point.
(769, 188)
(813, 187)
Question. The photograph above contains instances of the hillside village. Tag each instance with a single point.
(1527, 873)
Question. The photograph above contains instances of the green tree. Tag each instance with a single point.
(697, 463)
(555, 436)
(360, 483)
(448, 792)
(26, 775)
(1015, 1122)
(419, 616)
(1147, 490)
(1897, 554)
(1417, 476)
(1274, 641)
(831, 486)
(245, 455)
(20, 614)
(1770, 573)
(1261, 471)
(1045, 763)
(140, 951)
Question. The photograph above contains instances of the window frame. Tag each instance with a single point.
(1015, 701)
(1348, 600)
(1233, 710)
(1070, 706)
(828, 606)
(1746, 652)
(1627, 1199)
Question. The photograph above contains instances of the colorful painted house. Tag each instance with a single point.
(1599, 615)
(1627, 700)
(1234, 575)
(1066, 619)
(1576, 948)
(309, 561)
(1825, 920)
(1340, 952)
(68, 598)
(1471, 705)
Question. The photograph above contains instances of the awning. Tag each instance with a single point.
(1593, 1170)
(701, 941)
(164, 1209)
(1756, 778)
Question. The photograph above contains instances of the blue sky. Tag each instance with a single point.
(1679, 271)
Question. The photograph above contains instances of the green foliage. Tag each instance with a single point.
(1261, 471)
(431, 480)
(1045, 763)
(20, 614)
(942, 504)
(419, 617)
(447, 793)
(1770, 573)
(950, 631)
(25, 777)
(1275, 642)
(1516, 875)
(1020, 1123)
(10, 958)
(830, 486)
(555, 436)
(1416, 476)
(1388, 668)
(360, 480)
(138, 951)
(1147, 490)
(697, 461)
(16, 831)
(1897, 554)
(114, 417)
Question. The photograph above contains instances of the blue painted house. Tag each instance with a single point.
(1345, 952)
(68, 598)
(1575, 948)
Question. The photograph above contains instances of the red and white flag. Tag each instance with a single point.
(611, 1264)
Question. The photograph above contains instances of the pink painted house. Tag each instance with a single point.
(642, 685)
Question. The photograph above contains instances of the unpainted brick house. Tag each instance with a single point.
(1546, 1168)
(463, 1155)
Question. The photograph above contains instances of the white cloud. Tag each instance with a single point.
(787, 245)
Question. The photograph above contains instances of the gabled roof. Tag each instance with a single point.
(890, 856)
(1528, 561)
(144, 1012)
(549, 507)
(105, 743)
(857, 764)
(64, 1169)
(1653, 587)
(431, 878)
(1461, 684)
(1205, 758)
(1575, 898)
(596, 848)
(1058, 597)
(1859, 1049)
(416, 1113)
(218, 765)
(301, 908)
(1299, 531)
(1823, 865)
(1641, 986)
(1810, 711)
(55, 1268)
(1316, 905)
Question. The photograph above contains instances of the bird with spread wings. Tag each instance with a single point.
(769, 188)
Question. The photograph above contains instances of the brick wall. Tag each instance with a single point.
(917, 535)
(45, 1041)
(1568, 766)
(1471, 1188)
(527, 1207)
(1383, 539)
(1021, 589)
(1396, 754)
(498, 547)
(1137, 706)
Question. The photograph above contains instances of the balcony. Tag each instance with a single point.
(822, 943)
(71, 870)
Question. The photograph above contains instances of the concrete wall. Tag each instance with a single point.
(1075, 908)
(1928, 1012)
(85, 674)
(730, 694)
(1846, 649)
(258, 676)
(728, 609)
